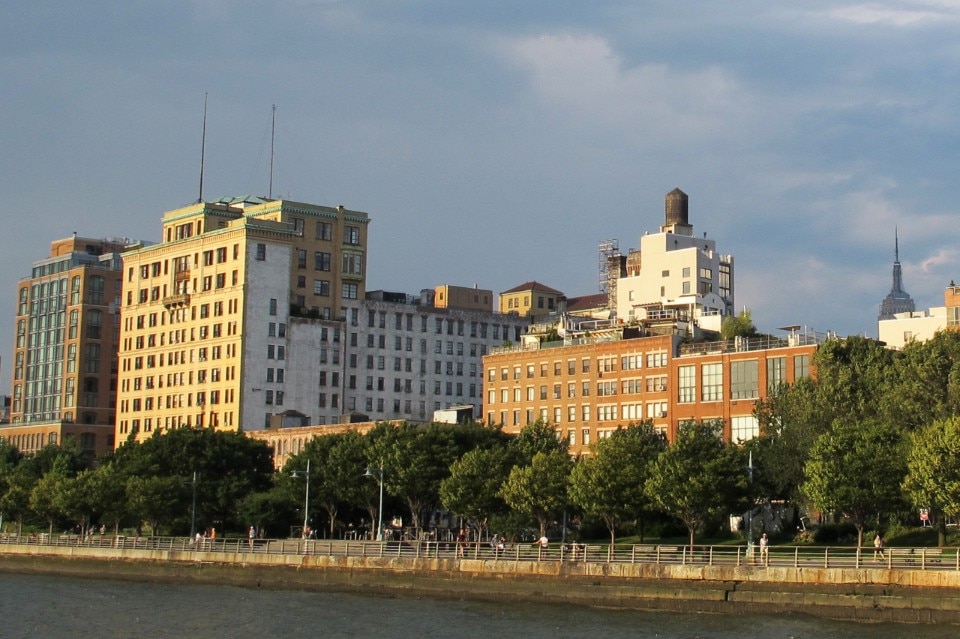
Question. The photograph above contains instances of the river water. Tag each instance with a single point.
(49, 607)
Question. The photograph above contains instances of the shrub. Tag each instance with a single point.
(842, 533)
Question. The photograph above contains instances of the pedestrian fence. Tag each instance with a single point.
(778, 556)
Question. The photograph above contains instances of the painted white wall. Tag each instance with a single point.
(919, 326)
(264, 280)
(668, 261)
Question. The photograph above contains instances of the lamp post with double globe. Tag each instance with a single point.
(306, 500)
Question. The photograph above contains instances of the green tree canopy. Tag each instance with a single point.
(609, 483)
(857, 468)
(473, 488)
(697, 476)
(229, 466)
(415, 459)
(933, 471)
(738, 326)
(539, 437)
(539, 490)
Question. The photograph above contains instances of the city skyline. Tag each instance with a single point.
(498, 144)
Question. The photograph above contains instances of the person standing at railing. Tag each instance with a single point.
(250, 535)
(764, 546)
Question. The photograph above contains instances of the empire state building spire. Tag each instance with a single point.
(898, 300)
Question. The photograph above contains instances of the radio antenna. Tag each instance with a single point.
(273, 129)
(203, 145)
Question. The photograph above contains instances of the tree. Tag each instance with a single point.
(229, 466)
(415, 460)
(269, 511)
(925, 382)
(738, 326)
(933, 472)
(857, 468)
(853, 381)
(110, 494)
(156, 500)
(47, 497)
(337, 464)
(697, 477)
(473, 487)
(539, 490)
(9, 459)
(609, 483)
(789, 424)
(80, 499)
(853, 377)
(538, 437)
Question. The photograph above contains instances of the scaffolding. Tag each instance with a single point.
(609, 269)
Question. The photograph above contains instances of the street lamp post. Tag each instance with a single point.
(306, 500)
(193, 509)
(379, 476)
(750, 511)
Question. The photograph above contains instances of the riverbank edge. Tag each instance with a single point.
(864, 595)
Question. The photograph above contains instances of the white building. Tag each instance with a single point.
(902, 328)
(675, 275)
(405, 358)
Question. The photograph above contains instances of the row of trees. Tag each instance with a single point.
(872, 436)
(488, 479)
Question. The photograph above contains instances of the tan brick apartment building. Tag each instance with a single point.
(237, 315)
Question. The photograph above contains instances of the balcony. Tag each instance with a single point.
(175, 301)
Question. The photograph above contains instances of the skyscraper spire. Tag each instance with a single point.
(898, 300)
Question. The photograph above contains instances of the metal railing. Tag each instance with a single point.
(751, 556)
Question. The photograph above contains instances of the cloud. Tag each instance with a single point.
(897, 14)
(584, 76)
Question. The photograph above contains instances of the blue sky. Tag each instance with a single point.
(499, 142)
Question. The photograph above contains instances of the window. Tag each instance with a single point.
(324, 231)
(655, 360)
(273, 306)
(687, 378)
(712, 379)
(321, 287)
(351, 235)
(801, 367)
(776, 373)
(352, 263)
(743, 427)
(321, 261)
(261, 252)
(744, 380)
(349, 291)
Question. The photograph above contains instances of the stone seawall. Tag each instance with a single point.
(870, 595)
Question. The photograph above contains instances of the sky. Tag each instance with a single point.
(498, 142)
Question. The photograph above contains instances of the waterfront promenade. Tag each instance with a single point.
(910, 559)
(907, 584)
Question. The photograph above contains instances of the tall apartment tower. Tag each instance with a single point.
(897, 300)
(64, 358)
(212, 315)
(676, 276)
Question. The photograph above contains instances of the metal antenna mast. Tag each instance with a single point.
(203, 145)
(273, 130)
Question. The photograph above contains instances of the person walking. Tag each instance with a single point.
(878, 548)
